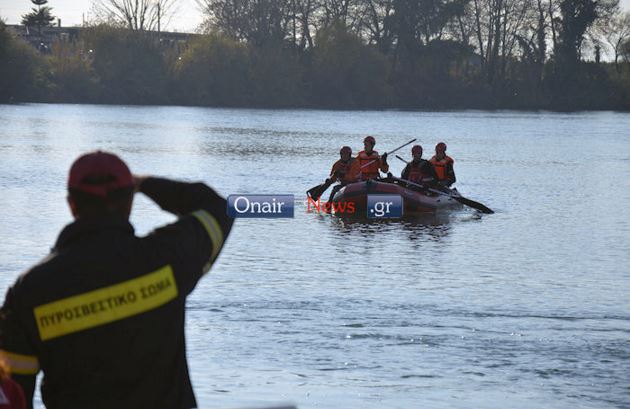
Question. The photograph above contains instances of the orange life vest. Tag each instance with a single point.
(343, 169)
(441, 165)
(370, 171)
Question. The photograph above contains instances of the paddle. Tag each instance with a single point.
(316, 191)
(463, 200)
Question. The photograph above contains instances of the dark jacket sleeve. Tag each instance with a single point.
(405, 172)
(450, 173)
(334, 169)
(16, 349)
(196, 239)
(383, 165)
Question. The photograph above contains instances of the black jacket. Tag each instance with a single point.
(425, 167)
(103, 315)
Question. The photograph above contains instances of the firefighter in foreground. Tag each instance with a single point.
(103, 314)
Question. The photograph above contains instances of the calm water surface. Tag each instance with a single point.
(525, 308)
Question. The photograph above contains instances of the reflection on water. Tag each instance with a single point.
(428, 228)
(524, 308)
(431, 226)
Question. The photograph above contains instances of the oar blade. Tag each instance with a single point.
(475, 205)
(315, 192)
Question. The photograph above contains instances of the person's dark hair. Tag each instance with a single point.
(116, 201)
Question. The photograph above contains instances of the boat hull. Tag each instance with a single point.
(413, 201)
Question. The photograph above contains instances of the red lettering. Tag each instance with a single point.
(315, 204)
(327, 206)
(340, 207)
(351, 208)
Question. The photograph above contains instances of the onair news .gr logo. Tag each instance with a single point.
(384, 206)
(269, 206)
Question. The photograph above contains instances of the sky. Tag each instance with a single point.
(186, 18)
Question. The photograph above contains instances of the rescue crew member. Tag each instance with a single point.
(369, 162)
(103, 314)
(419, 170)
(443, 165)
(340, 171)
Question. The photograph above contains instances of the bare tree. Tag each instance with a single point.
(616, 32)
(305, 24)
(137, 15)
(344, 11)
(625, 51)
(255, 21)
(261, 22)
(499, 26)
(533, 37)
(375, 22)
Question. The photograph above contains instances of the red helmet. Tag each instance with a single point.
(99, 173)
(345, 149)
(370, 139)
(440, 147)
(416, 149)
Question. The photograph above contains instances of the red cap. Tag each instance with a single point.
(99, 173)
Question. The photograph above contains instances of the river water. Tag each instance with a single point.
(527, 307)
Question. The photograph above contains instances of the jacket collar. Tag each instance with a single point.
(84, 227)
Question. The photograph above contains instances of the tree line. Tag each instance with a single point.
(357, 54)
